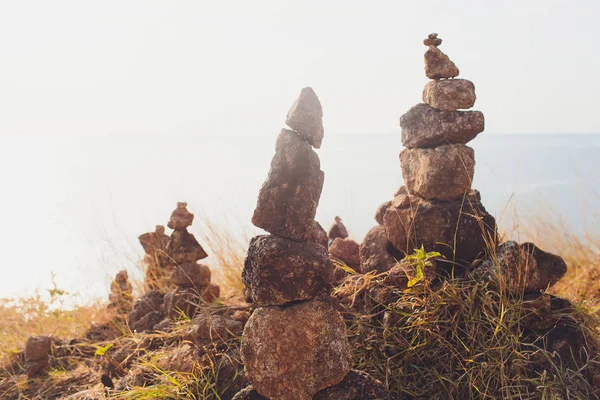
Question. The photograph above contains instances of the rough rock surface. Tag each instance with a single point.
(524, 267)
(438, 65)
(191, 274)
(432, 40)
(288, 200)
(357, 385)
(148, 322)
(442, 173)
(381, 212)
(211, 328)
(211, 293)
(306, 117)
(38, 348)
(338, 230)
(376, 252)
(181, 218)
(183, 247)
(151, 301)
(412, 222)
(249, 393)
(290, 353)
(450, 95)
(318, 235)
(345, 250)
(279, 271)
(424, 126)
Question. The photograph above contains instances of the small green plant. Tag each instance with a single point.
(102, 350)
(420, 259)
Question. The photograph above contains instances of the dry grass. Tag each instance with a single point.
(457, 339)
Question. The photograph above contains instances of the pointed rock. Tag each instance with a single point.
(288, 200)
(345, 250)
(306, 117)
(376, 252)
(183, 247)
(154, 241)
(438, 65)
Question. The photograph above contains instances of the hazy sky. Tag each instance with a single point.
(234, 67)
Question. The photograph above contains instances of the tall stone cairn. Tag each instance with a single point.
(191, 281)
(436, 208)
(295, 343)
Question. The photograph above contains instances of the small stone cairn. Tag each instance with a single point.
(437, 208)
(294, 344)
(156, 260)
(192, 281)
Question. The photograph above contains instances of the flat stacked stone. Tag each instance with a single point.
(191, 280)
(295, 343)
(436, 208)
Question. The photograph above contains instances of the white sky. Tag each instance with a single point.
(234, 67)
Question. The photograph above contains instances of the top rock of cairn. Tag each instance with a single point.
(181, 218)
(306, 117)
(437, 64)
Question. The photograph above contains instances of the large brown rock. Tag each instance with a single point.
(278, 270)
(345, 250)
(290, 353)
(441, 173)
(459, 230)
(318, 235)
(438, 65)
(306, 117)
(183, 247)
(450, 95)
(191, 274)
(181, 218)
(381, 212)
(376, 252)
(424, 126)
(357, 385)
(288, 200)
(523, 267)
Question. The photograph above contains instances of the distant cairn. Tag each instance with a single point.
(294, 344)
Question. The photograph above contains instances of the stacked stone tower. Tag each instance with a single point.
(156, 260)
(437, 208)
(295, 343)
(191, 280)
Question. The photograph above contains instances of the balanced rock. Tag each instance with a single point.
(290, 353)
(523, 267)
(438, 65)
(183, 247)
(357, 385)
(441, 173)
(288, 200)
(345, 250)
(318, 235)
(181, 218)
(450, 95)
(432, 40)
(376, 252)
(120, 296)
(278, 270)
(182, 301)
(191, 274)
(459, 230)
(306, 117)
(338, 230)
(424, 126)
